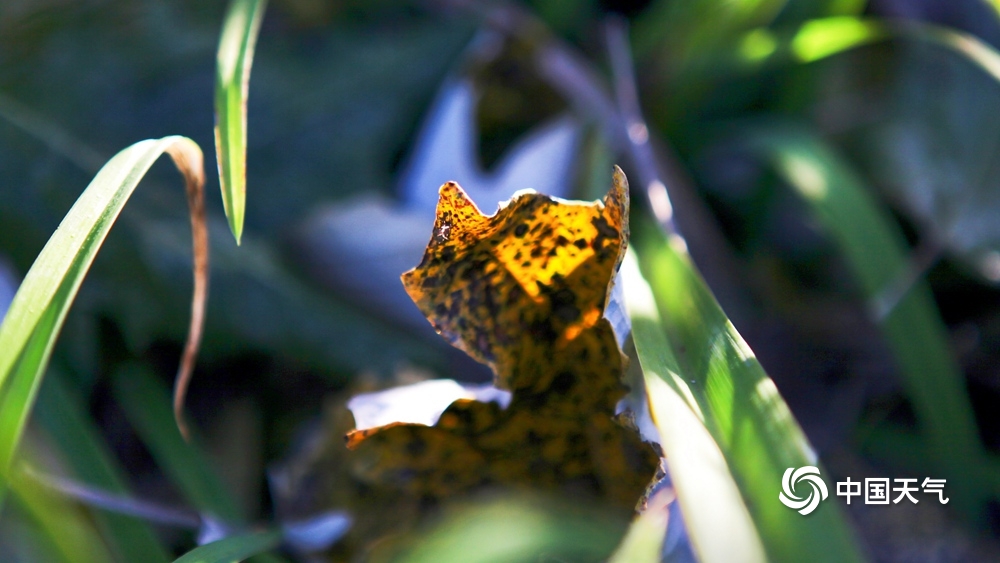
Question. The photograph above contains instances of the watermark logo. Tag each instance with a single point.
(877, 490)
(808, 475)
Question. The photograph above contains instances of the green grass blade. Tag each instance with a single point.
(706, 490)
(727, 433)
(902, 448)
(32, 323)
(233, 548)
(232, 81)
(61, 414)
(66, 527)
(821, 38)
(146, 402)
(875, 249)
(824, 37)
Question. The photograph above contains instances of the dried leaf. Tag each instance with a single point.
(336, 247)
(523, 291)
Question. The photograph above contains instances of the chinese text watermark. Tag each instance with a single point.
(875, 490)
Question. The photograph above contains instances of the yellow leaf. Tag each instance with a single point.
(524, 292)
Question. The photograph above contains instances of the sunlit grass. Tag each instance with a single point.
(232, 84)
(32, 323)
(727, 434)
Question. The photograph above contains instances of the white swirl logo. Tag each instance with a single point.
(810, 475)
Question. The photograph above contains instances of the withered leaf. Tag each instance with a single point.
(523, 291)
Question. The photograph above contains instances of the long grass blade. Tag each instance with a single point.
(875, 249)
(706, 489)
(824, 37)
(232, 83)
(32, 323)
(727, 434)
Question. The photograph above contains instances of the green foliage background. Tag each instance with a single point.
(874, 309)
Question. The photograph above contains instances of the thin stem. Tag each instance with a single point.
(926, 255)
(636, 130)
(99, 498)
(56, 138)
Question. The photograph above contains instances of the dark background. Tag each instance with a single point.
(338, 96)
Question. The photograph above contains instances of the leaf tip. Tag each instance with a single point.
(236, 227)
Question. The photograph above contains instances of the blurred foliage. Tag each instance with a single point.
(152, 83)
(338, 94)
(518, 529)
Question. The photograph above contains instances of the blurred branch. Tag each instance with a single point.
(923, 258)
(57, 139)
(636, 130)
(653, 160)
(100, 498)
